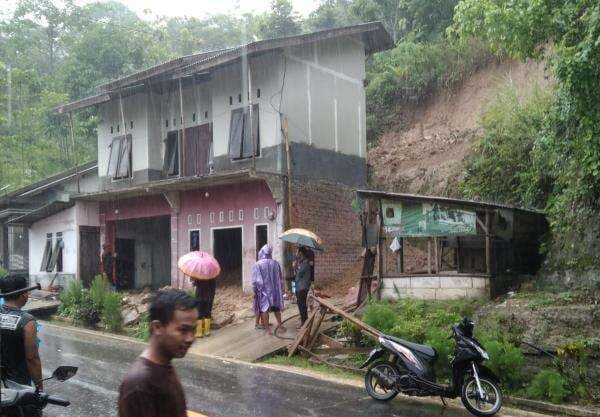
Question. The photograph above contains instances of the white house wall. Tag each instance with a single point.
(64, 222)
(324, 96)
(134, 110)
(226, 82)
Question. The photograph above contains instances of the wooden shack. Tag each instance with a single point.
(441, 248)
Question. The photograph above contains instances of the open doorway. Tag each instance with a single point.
(125, 260)
(227, 249)
(261, 236)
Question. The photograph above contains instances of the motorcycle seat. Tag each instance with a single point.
(423, 349)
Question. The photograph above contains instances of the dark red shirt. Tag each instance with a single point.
(151, 390)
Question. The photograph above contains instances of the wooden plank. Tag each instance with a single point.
(480, 223)
(340, 351)
(363, 326)
(301, 334)
(316, 327)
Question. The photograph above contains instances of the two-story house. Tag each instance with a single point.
(222, 151)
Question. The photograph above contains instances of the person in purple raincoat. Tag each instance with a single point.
(268, 291)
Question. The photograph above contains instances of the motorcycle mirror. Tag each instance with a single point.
(62, 373)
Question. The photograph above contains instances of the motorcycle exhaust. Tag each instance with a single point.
(383, 379)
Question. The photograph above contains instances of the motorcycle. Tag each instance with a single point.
(409, 369)
(20, 400)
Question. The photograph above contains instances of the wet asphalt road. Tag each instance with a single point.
(213, 387)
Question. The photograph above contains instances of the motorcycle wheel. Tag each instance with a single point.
(374, 388)
(492, 402)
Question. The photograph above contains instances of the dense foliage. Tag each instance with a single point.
(91, 306)
(564, 172)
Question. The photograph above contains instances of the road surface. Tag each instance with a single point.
(215, 388)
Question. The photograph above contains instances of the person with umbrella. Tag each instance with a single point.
(203, 270)
(303, 281)
(267, 283)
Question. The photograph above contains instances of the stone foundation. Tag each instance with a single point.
(436, 287)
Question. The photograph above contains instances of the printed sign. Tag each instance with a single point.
(424, 219)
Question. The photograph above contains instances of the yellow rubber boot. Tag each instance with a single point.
(207, 323)
(199, 328)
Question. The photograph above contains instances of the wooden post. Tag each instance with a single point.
(401, 253)
(182, 143)
(429, 255)
(380, 252)
(75, 161)
(458, 254)
(436, 255)
(488, 243)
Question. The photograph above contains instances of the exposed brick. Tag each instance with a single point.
(325, 208)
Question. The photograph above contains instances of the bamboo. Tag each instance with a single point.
(74, 152)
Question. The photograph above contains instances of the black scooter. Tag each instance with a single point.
(409, 370)
(17, 400)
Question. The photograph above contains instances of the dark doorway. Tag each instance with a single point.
(89, 253)
(125, 260)
(227, 249)
(262, 237)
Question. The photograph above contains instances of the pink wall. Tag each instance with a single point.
(238, 205)
(134, 208)
(244, 205)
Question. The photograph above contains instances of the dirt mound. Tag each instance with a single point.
(429, 156)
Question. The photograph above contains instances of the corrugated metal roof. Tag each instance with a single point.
(373, 35)
(48, 182)
(447, 200)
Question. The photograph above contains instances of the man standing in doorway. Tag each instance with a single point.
(19, 355)
(151, 387)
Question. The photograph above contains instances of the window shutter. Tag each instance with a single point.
(247, 145)
(113, 160)
(124, 157)
(236, 129)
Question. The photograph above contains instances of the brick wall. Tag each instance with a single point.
(325, 208)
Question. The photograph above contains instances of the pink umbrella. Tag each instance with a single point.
(199, 265)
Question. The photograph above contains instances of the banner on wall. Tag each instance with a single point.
(426, 219)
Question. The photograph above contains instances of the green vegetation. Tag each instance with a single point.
(413, 71)
(142, 330)
(548, 385)
(561, 173)
(111, 312)
(90, 306)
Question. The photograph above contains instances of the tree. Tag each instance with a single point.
(567, 149)
(280, 22)
(331, 14)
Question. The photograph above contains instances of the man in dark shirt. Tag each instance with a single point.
(151, 387)
(18, 334)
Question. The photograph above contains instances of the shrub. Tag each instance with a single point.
(111, 314)
(506, 360)
(71, 299)
(142, 331)
(98, 291)
(548, 385)
(380, 316)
